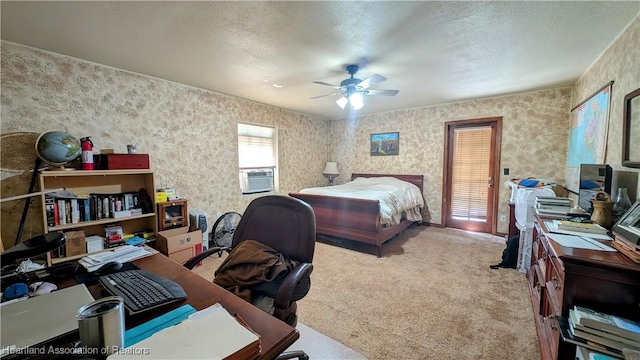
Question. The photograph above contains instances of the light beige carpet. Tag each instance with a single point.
(431, 296)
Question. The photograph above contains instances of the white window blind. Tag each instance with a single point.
(256, 146)
(470, 173)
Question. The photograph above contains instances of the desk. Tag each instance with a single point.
(275, 335)
(561, 277)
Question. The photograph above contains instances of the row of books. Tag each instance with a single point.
(68, 208)
(613, 333)
(552, 205)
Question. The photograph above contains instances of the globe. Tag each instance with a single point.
(57, 148)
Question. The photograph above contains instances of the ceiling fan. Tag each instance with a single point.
(352, 89)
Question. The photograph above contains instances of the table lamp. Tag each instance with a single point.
(331, 172)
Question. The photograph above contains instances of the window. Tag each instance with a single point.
(257, 150)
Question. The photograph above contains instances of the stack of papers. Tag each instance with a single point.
(551, 205)
(579, 242)
(211, 333)
(121, 254)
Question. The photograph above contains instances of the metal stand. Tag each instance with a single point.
(36, 169)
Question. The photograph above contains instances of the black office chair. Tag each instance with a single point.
(287, 225)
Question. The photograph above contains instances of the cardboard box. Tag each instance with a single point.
(179, 244)
(76, 243)
(124, 161)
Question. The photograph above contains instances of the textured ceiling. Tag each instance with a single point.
(433, 52)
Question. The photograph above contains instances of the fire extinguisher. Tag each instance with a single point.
(87, 153)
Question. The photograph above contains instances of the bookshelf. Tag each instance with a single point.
(104, 182)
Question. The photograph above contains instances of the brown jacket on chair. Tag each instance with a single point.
(249, 264)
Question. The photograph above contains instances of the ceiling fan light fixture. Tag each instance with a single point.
(356, 101)
(342, 102)
(353, 89)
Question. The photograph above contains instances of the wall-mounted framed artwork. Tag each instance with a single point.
(385, 144)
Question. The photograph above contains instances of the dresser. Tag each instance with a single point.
(561, 277)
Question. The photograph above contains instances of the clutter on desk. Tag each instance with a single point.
(135, 240)
(120, 254)
(145, 330)
(15, 291)
(114, 235)
(41, 288)
(28, 265)
(163, 195)
(211, 333)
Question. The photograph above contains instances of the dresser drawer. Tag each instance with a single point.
(555, 283)
(552, 331)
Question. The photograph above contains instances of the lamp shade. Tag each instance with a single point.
(331, 169)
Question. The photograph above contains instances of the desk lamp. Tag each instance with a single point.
(331, 172)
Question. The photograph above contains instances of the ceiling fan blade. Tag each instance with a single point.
(316, 97)
(371, 80)
(326, 84)
(382, 92)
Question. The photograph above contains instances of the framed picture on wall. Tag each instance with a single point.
(385, 144)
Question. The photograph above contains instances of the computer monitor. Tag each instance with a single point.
(593, 178)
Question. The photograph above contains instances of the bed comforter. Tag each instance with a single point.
(398, 199)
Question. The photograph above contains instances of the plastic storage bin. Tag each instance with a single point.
(525, 201)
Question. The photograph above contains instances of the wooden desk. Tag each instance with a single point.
(562, 277)
(275, 335)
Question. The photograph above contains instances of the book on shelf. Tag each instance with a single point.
(602, 337)
(565, 208)
(567, 336)
(616, 325)
(543, 211)
(65, 207)
(583, 353)
(550, 200)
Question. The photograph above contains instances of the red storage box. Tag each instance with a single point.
(124, 161)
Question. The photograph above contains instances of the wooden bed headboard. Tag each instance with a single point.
(417, 180)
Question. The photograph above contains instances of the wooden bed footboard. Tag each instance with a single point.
(355, 219)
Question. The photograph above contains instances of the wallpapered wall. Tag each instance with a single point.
(189, 133)
(534, 134)
(620, 64)
(534, 142)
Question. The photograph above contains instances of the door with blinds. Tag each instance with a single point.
(471, 172)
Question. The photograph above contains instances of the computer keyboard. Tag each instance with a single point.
(142, 290)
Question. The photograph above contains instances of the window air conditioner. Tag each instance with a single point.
(254, 181)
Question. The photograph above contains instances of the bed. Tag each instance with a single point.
(355, 218)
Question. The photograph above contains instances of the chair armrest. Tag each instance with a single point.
(191, 263)
(283, 296)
